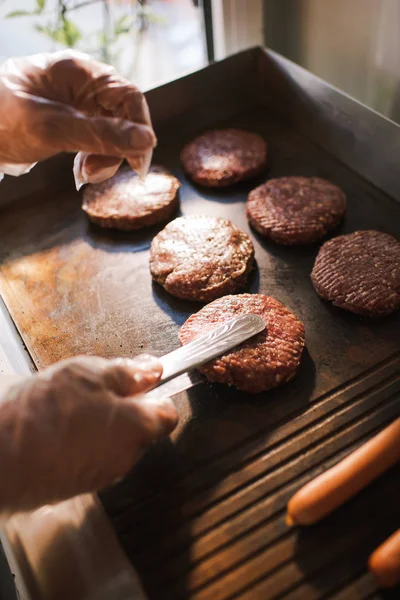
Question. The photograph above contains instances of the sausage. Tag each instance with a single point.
(327, 492)
(384, 562)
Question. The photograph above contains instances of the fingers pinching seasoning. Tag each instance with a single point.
(67, 102)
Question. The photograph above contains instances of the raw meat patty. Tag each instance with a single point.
(224, 156)
(296, 210)
(265, 361)
(201, 258)
(360, 272)
(126, 202)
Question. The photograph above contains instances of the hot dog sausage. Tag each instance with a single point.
(334, 487)
(384, 563)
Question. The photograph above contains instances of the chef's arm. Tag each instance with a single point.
(76, 427)
(67, 102)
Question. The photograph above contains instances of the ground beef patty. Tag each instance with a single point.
(224, 156)
(201, 258)
(265, 361)
(296, 210)
(360, 272)
(126, 202)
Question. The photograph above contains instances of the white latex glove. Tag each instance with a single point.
(77, 427)
(67, 102)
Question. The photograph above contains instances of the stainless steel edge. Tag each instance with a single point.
(14, 360)
(175, 386)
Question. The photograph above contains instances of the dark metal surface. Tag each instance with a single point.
(208, 27)
(7, 586)
(203, 515)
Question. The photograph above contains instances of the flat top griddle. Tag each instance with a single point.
(203, 514)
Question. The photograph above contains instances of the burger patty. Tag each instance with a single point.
(296, 210)
(126, 202)
(201, 258)
(265, 361)
(224, 156)
(360, 272)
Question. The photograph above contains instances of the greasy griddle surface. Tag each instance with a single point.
(203, 515)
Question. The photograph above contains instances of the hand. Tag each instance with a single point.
(66, 102)
(77, 427)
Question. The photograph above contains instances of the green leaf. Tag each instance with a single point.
(48, 32)
(41, 4)
(18, 13)
(123, 25)
(156, 19)
(102, 38)
(72, 33)
(67, 34)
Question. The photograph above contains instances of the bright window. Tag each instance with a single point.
(149, 41)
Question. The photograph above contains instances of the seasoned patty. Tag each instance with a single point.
(126, 202)
(201, 258)
(224, 156)
(296, 210)
(265, 361)
(360, 272)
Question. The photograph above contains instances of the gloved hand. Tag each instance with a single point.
(77, 427)
(66, 102)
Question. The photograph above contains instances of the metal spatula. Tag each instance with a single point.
(205, 348)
